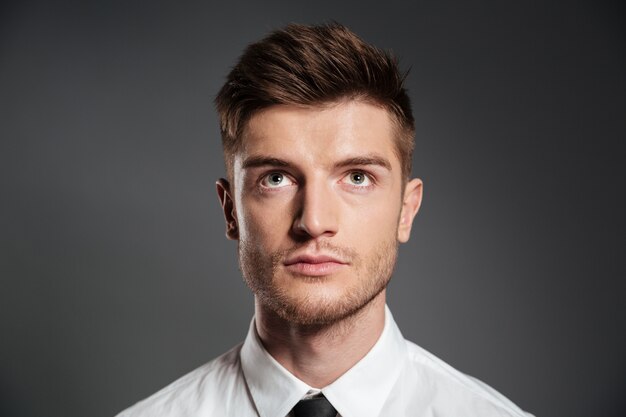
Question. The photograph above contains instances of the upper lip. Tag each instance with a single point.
(312, 259)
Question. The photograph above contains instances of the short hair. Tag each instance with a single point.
(313, 65)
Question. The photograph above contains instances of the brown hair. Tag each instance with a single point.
(309, 65)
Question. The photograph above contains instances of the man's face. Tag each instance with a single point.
(318, 208)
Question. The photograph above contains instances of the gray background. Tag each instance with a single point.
(115, 275)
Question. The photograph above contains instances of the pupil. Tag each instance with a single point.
(275, 178)
(358, 178)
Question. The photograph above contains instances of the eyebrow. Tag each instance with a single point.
(261, 161)
(364, 161)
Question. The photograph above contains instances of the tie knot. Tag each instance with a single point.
(314, 407)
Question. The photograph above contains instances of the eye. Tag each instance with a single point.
(358, 178)
(276, 180)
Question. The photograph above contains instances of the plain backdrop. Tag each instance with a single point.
(116, 278)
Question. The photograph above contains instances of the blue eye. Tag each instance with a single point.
(276, 180)
(358, 178)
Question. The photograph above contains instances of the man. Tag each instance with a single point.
(317, 133)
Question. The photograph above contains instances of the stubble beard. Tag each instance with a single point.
(260, 269)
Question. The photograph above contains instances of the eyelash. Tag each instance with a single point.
(263, 178)
(368, 176)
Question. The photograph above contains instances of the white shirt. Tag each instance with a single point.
(396, 378)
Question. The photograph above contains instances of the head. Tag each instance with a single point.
(317, 133)
(308, 66)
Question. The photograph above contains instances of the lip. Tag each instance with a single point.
(314, 264)
(313, 259)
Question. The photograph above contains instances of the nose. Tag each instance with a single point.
(317, 213)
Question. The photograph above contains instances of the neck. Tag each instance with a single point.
(318, 355)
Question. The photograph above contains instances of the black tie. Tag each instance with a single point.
(314, 407)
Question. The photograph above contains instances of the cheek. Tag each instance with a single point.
(372, 222)
(382, 210)
(264, 225)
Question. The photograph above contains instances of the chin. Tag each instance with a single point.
(318, 307)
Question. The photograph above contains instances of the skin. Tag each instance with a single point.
(318, 206)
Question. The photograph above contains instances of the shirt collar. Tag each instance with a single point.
(360, 392)
(273, 388)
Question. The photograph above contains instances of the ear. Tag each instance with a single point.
(410, 205)
(228, 207)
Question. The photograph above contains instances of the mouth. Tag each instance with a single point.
(314, 265)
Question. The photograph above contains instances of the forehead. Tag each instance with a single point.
(320, 134)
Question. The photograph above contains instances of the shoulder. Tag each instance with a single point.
(194, 391)
(457, 391)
